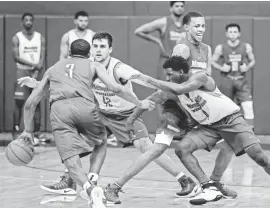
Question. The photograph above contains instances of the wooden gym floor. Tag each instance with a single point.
(152, 188)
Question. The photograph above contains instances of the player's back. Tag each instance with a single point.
(71, 78)
(198, 54)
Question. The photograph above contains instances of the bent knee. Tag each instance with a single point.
(184, 147)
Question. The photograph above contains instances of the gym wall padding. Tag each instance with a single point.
(2, 82)
(218, 36)
(261, 77)
(143, 57)
(12, 26)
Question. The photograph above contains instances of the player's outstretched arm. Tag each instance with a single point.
(32, 102)
(64, 47)
(157, 97)
(193, 83)
(120, 90)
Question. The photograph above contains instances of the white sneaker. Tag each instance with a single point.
(98, 199)
(209, 194)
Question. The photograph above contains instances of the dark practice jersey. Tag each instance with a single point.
(171, 34)
(198, 59)
(71, 78)
(234, 57)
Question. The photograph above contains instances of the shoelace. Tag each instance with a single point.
(184, 183)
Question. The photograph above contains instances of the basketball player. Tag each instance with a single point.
(199, 57)
(81, 31)
(170, 30)
(237, 58)
(28, 48)
(219, 118)
(114, 111)
(74, 111)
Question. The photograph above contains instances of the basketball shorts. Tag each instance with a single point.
(117, 124)
(233, 129)
(69, 119)
(167, 131)
(237, 90)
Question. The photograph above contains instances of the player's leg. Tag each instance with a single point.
(17, 114)
(240, 136)
(244, 97)
(222, 162)
(199, 138)
(112, 190)
(68, 119)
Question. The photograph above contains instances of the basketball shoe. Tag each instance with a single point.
(227, 193)
(66, 186)
(112, 195)
(209, 193)
(189, 188)
(97, 197)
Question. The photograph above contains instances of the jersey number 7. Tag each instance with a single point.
(69, 70)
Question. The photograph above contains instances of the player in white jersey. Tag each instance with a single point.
(81, 31)
(219, 118)
(28, 48)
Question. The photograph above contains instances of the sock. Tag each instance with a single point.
(180, 175)
(66, 170)
(86, 186)
(93, 176)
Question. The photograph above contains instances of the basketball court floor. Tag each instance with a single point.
(152, 188)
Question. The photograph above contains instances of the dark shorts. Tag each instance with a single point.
(237, 90)
(233, 129)
(69, 119)
(117, 124)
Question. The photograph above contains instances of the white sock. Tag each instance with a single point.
(86, 185)
(93, 176)
(179, 175)
(66, 170)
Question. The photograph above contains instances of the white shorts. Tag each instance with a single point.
(163, 138)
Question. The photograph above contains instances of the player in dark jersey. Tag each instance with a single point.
(170, 30)
(74, 111)
(233, 59)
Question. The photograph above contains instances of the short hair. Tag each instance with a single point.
(176, 63)
(27, 14)
(80, 13)
(189, 15)
(233, 25)
(80, 47)
(103, 35)
(173, 2)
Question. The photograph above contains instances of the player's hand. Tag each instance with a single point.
(27, 137)
(226, 68)
(27, 81)
(147, 104)
(243, 68)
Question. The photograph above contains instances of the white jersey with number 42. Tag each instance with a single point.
(108, 100)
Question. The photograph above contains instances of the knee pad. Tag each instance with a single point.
(247, 107)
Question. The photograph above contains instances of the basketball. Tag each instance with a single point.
(19, 152)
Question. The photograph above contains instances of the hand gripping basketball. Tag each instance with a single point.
(27, 137)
